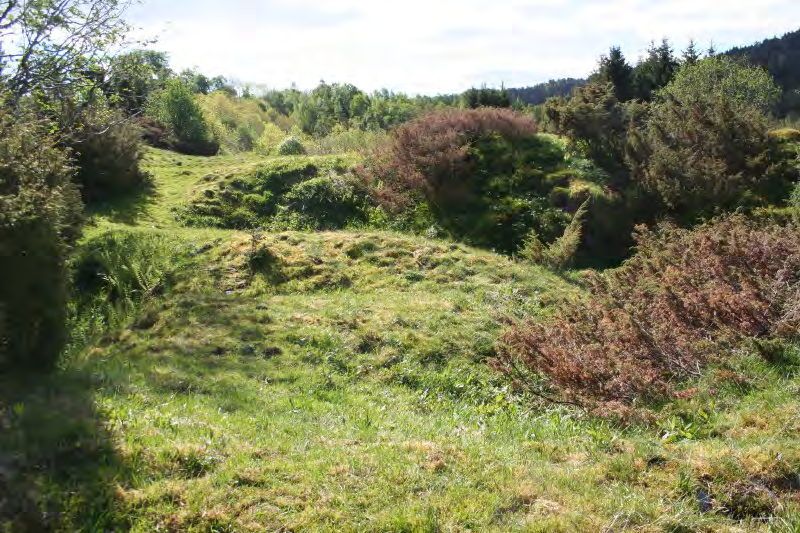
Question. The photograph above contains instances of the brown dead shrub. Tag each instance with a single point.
(683, 301)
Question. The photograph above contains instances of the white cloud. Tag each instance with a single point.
(434, 46)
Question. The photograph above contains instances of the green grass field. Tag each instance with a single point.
(339, 382)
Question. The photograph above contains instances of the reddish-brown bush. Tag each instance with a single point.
(481, 173)
(431, 154)
(684, 300)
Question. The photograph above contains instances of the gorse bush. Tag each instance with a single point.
(724, 78)
(705, 147)
(107, 151)
(701, 148)
(596, 124)
(291, 146)
(683, 301)
(40, 211)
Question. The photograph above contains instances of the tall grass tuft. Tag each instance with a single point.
(561, 253)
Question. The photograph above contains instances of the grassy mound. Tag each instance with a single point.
(303, 192)
(337, 382)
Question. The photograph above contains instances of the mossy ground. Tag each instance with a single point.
(338, 382)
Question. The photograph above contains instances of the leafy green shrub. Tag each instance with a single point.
(269, 139)
(247, 137)
(724, 78)
(291, 146)
(686, 299)
(39, 213)
(107, 150)
(176, 107)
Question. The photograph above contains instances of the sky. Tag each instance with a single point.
(437, 46)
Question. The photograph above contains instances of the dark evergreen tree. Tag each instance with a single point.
(691, 55)
(538, 94)
(485, 97)
(655, 71)
(614, 69)
(781, 57)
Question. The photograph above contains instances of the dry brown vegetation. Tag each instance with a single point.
(686, 299)
(431, 154)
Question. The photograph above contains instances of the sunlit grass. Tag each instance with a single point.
(340, 383)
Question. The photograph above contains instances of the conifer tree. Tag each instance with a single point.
(655, 71)
(614, 69)
(691, 55)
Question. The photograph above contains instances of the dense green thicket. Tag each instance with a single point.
(200, 115)
(702, 147)
(705, 147)
(65, 130)
(133, 76)
(39, 216)
(176, 107)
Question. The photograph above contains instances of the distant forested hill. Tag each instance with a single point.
(537, 94)
(781, 56)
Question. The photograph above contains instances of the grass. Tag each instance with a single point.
(177, 178)
(338, 382)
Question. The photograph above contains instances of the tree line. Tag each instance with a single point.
(780, 56)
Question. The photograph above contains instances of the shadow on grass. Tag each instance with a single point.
(58, 466)
(125, 208)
